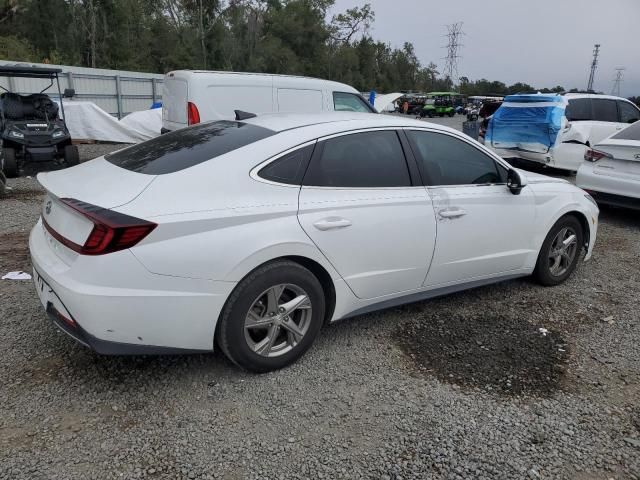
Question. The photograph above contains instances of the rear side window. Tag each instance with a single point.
(579, 109)
(350, 102)
(628, 112)
(630, 133)
(447, 160)
(605, 110)
(187, 147)
(289, 168)
(360, 160)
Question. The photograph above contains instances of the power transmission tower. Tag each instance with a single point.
(454, 32)
(617, 81)
(594, 64)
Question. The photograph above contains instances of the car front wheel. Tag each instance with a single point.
(272, 317)
(560, 252)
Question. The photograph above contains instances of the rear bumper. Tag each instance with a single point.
(564, 156)
(608, 190)
(116, 306)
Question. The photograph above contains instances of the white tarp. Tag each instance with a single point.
(145, 122)
(382, 103)
(87, 121)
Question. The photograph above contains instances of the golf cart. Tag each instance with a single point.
(440, 104)
(31, 129)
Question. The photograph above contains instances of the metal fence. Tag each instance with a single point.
(115, 91)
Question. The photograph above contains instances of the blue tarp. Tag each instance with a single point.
(527, 122)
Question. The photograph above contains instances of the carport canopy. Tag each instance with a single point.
(28, 71)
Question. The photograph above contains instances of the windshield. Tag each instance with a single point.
(187, 147)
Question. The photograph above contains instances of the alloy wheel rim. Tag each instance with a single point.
(563, 251)
(278, 320)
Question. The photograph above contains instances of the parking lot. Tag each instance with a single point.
(507, 381)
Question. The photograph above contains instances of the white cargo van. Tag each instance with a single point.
(194, 96)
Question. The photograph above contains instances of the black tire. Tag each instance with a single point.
(71, 155)
(230, 333)
(543, 272)
(452, 113)
(9, 162)
(430, 114)
(3, 184)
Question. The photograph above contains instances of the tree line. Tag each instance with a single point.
(271, 36)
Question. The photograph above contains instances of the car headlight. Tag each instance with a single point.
(16, 134)
(57, 134)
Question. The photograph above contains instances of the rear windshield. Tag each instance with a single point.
(632, 132)
(185, 148)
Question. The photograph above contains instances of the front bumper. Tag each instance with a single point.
(116, 306)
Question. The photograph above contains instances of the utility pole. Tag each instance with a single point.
(594, 64)
(454, 32)
(617, 81)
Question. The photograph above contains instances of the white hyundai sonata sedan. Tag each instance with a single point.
(252, 234)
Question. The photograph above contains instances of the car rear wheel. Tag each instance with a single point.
(272, 317)
(71, 155)
(9, 162)
(560, 252)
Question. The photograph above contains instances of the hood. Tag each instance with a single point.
(533, 178)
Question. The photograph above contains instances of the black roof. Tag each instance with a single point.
(28, 71)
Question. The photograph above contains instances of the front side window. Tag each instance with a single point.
(628, 113)
(350, 102)
(605, 110)
(360, 160)
(579, 109)
(446, 160)
(187, 147)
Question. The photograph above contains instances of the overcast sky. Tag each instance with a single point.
(540, 42)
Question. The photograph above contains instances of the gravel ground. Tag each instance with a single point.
(465, 386)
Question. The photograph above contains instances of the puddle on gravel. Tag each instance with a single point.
(498, 354)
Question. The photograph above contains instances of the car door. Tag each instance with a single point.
(360, 205)
(482, 228)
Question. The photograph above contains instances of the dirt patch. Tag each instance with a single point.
(31, 195)
(504, 355)
(14, 249)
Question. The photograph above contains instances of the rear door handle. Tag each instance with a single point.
(331, 223)
(452, 212)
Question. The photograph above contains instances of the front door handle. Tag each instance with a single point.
(452, 212)
(331, 223)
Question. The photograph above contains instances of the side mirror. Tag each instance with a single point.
(515, 182)
(69, 93)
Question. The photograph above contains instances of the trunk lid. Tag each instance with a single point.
(529, 123)
(625, 163)
(98, 183)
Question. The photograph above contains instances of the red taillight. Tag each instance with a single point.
(193, 116)
(594, 155)
(112, 231)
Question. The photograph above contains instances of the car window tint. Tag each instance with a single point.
(579, 109)
(605, 110)
(632, 132)
(350, 102)
(447, 160)
(361, 160)
(288, 168)
(187, 147)
(628, 113)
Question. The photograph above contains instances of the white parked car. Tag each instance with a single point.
(611, 171)
(556, 130)
(255, 233)
(194, 96)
